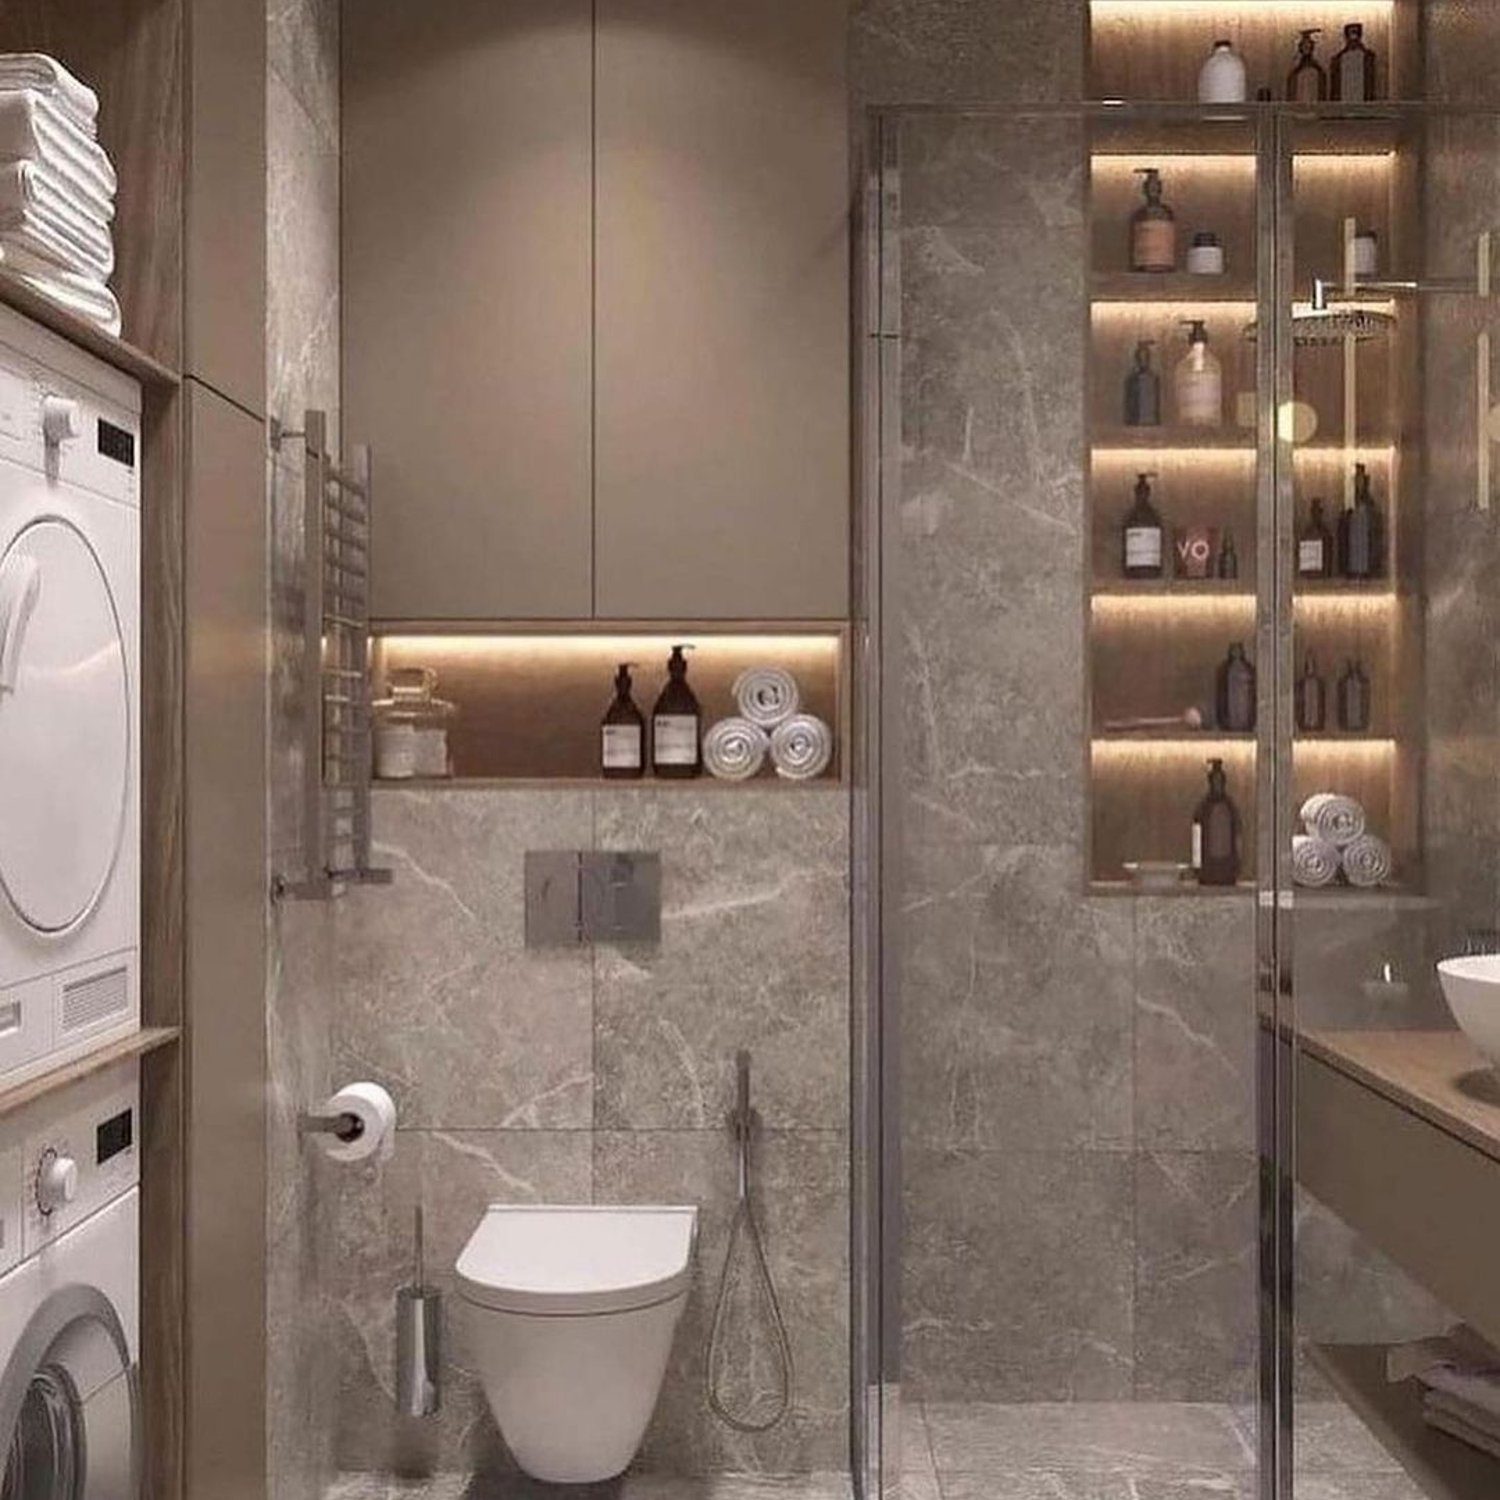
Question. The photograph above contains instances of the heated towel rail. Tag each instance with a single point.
(337, 762)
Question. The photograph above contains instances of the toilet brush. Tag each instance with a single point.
(419, 1341)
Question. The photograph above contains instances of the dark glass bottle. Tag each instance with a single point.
(1354, 700)
(1307, 83)
(1362, 532)
(1315, 545)
(1144, 535)
(1216, 832)
(624, 733)
(676, 745)
(1143, 390)
(1228, 565)
(1312, 699)
(1352, 72)
(1153, 228)
(1234, 698)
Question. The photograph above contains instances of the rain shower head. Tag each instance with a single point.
(1332, 325)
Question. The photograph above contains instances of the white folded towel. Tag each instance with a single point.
(82, 295)
(802, 747)
(1367, 861)
(32, 128)
(1315, 862)
(767, 696)
(45, 75)
(1330, 816)
(735, 749)
(53, 245)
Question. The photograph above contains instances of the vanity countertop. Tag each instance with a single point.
(1437, 1075)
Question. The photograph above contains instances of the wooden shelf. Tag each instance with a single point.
(18, 1095)
(1175, 287)
(1443, 1466)
(767, 781)
(1185, 440)
(87, 336)
(1174, 588)
(1173, 893)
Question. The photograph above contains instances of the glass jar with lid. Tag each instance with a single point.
(411, 727)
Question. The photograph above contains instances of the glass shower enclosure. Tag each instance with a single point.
(1168, 814)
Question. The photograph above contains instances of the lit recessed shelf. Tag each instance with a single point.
(1213, 742)
(1196, 10)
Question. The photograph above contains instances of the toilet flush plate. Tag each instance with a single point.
(592, 896)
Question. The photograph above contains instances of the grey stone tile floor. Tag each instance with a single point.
(1036, 1451)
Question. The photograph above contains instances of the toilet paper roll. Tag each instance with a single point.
(376, 1112)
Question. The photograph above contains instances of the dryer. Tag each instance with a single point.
(69, 709)
(70, 1296)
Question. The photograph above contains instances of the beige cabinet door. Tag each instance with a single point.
(722, 312)
(467, 300)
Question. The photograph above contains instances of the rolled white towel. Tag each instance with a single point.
(48, 240)
(1315, 862)
(1330, 816)
(33, 128)
(767, 696)
(1367, 861)
(735, 749)
(33, 184)
(802, 747)
(45, 75)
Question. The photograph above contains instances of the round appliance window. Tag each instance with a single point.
(46, 1459)
(64, 726)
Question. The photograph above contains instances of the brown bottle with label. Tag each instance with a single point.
(1153, 228)
(1315, 545)
(676, 744)
(624, 733)
(1352, 71)
(1216, 832)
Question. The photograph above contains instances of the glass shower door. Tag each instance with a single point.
(1387, 828)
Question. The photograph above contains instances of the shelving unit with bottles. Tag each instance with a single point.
(1156, 645)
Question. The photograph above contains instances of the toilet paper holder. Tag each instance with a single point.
(345, 1127)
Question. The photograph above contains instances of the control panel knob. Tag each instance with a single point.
(60, 419)
(56, 1181)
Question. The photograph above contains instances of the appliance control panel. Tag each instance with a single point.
(66, 431)
(81, 1150)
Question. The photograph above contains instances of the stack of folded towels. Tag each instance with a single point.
(1337, 846)
(57, 188)
(1460, 1379)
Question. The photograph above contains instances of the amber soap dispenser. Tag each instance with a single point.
(624, 733)
(676, 743)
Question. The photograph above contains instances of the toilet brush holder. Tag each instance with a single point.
(419, 1343)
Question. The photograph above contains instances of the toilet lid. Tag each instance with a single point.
(577, 1260)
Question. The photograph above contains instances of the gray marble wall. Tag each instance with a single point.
(302, 122)
(576, 1075)
(1077, 1107)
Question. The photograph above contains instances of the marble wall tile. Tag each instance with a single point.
(1195, 1024)
(1196, 1276)
(441, 1001)
(945, 51)
(1019, 1275)
(454, 1175)
(801, 1186)
(1016, 1003)
(302, 50)
(754, 953)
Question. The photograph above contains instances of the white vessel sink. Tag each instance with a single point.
(1471, 987)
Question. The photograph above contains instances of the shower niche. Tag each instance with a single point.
(1251, 379)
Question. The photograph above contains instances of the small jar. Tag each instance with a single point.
(1205, 255)
(411, 728)
(1366, 256)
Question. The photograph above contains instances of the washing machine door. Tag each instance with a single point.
(64, 726)
(70, 1405)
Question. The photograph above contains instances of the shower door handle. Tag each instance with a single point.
(1483, 392)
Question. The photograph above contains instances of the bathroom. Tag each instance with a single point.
(967, 1024)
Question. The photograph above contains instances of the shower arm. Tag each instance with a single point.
(1327, 292)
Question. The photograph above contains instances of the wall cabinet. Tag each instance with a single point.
(596, 316)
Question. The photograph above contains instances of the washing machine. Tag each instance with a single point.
(69, 700)
(70, 1293)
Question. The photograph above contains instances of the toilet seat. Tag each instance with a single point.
(577, 1260)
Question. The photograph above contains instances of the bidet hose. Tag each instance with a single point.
(743, 1122)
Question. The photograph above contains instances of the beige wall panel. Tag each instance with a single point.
(226, 199)
(467, 294)
(723, 311)
(226, 956)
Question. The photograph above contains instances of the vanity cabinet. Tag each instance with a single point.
(595, 306)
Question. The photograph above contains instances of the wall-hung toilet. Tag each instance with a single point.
(569, 1315)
